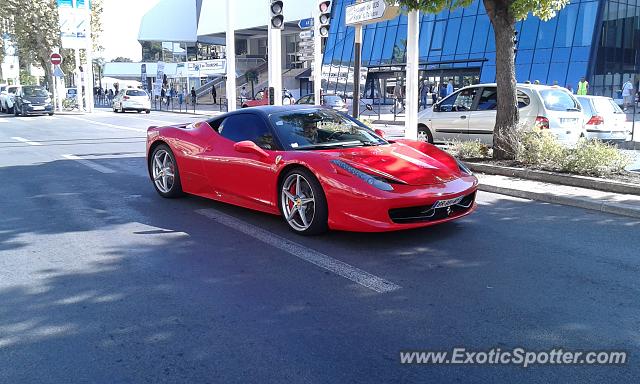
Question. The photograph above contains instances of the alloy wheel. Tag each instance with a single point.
(298, 202)
(163, 171)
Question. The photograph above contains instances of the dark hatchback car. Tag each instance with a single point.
(32, 100)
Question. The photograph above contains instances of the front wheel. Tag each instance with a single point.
(303, 203)
(164, 172)
(148, 111)
(424, 134)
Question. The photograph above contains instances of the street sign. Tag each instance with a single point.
(56, 59)
(305, 58)
(306, 34)
(305, 43)
(371, 11)
(306, 23)
(57, 72)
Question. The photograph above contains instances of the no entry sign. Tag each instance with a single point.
(56, 59)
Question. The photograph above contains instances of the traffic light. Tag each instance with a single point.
(277, 19)
(324, 18)
(515, 41)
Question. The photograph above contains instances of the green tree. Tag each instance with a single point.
(121, 59)
(503, 15)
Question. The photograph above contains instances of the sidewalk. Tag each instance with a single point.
(614, 203)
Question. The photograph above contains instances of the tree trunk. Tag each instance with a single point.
(505, 140)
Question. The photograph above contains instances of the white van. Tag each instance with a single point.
(470, 114)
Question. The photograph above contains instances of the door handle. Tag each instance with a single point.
(463, 117)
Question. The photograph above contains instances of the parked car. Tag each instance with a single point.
(317, 168)
(262, 98)
(7, 98)
(330, 101)
(132, 100)
(470, 114)
(604, 119)
(32, 100)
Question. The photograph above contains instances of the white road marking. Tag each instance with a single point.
(49, 117)
(90, 164)
(22, 139)
(321, 260)
(23, 118)
(108, 125)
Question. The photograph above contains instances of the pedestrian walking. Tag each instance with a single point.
(397, 95)
(163, 94)
(450, 87)
(243, 94)
(193, 95)
(443, 90)
(424, 92)
(627, 95)
(583, 87)
(434, 93)
(214, 94)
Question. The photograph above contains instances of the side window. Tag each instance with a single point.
(488, 99)
(459, 102)
(523, 100)
(259, 95)
(246, 126)
(304, 100)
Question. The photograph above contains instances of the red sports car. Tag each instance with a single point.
(318, 168)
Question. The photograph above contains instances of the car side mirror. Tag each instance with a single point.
(436, 107)
(379, 132)
(369, 107)
(248, 146)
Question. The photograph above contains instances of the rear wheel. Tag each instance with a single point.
(148, 111)
(303, 203)
(424, 134)
(164, 172)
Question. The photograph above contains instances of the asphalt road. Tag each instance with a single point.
(103, 281)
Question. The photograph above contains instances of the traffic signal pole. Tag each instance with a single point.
(317, 58)
(357, 46)
(275, 50)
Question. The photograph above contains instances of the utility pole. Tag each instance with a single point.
(275, 26)
(411, 119)
(231, 56)
(317, 58)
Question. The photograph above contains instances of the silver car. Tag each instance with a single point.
(330, 101)
(604, 119)
(469, 114)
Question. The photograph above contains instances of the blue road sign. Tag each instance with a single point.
(305, 23)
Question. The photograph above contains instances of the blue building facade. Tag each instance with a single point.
(597, 39)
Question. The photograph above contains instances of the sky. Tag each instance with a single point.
(120, 24)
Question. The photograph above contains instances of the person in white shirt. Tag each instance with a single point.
(627, 94)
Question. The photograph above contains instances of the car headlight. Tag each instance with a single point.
(463, 167)
(47, 100)
(369, 179)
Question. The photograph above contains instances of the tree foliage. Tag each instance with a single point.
(33, 26)
(503, 15)
(121, 59)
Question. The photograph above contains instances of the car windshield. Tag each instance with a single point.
(34, 92)
(72, 91)
(332, 99)
(558, 100)
(606, 106)
(321, 128)
(136, 92)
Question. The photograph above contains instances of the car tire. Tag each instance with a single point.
(50, 113)
(15, 111)
(302, 181)
(158, 164)
(121, 108)
(148, 111)
(426, 132)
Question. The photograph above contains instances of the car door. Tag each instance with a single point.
(483, 119)
(450, 118)
(245, 178)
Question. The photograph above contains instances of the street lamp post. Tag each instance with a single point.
(411, 119)
(231, 57)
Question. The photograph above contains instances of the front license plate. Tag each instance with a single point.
(38, 108)
(447, 203)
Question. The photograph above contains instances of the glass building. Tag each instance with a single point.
(597, 39)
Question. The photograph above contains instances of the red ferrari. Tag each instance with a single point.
(318, 168)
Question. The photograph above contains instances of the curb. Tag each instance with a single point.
(556, 178)
(606, 207)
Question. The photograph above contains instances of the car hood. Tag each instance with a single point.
(35, 99)
(420, 164)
